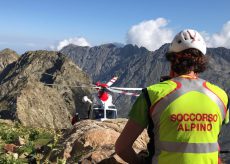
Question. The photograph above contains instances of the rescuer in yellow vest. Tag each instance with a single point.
(183, 114)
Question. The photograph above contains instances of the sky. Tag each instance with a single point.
(52, 24)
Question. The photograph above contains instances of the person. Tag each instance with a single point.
(75, 118)
(183, 114)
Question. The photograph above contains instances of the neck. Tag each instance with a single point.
(192, 75)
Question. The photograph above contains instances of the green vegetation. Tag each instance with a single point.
(28, 142)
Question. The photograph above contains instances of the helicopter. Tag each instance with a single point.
(103, 108)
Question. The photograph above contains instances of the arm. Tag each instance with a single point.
(123, 146)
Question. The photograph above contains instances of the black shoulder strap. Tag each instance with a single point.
(151, 144)
(228, 103)
(228, 106)
(146, 95)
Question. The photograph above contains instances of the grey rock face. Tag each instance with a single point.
(37, 90)
(135, 67)
(218, 71)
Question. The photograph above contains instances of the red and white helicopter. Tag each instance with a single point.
(104, 108)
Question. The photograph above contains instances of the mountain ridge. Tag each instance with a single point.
(138, 67)
(36, 90)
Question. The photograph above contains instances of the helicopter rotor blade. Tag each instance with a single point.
(74, 86)
(112, 81)
(123, 92)
(127, 89)
(112, 89)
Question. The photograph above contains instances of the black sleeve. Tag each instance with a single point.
(146, 96)
(151, 144)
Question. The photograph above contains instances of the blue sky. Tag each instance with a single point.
(47, 24)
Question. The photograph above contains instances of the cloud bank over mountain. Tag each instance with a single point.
(150, 34)
(154, 33)
(79, 41)
(219, 39)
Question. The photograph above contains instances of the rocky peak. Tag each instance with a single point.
(38, 90)
(7, 56)
(109, 45)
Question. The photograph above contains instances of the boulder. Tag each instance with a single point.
(91, 141)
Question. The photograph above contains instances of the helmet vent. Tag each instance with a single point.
(187, 39)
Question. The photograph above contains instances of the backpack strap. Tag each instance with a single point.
(146, 95)
(151, 144)
(228, 103)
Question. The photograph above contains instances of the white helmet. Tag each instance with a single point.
(186, 39)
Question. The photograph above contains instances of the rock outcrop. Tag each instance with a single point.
(91, 141)
(7, 56)
(39, 90)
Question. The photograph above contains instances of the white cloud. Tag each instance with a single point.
(80, 41)
(150, 34)
(220, 39)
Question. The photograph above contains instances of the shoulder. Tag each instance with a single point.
(218, 91)
(165, 85)
(159, 90)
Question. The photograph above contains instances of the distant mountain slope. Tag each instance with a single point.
(219, 67)
(24, 95)
(138, 67)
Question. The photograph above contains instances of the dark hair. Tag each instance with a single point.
(188, 60)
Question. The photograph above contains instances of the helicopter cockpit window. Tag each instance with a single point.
(110, 114)
(97, 106)
(112, 107)
(97, 114)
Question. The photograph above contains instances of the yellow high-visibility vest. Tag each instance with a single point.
(187, 116)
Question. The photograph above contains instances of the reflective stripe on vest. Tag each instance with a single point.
(184, 147)
(184, 86)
